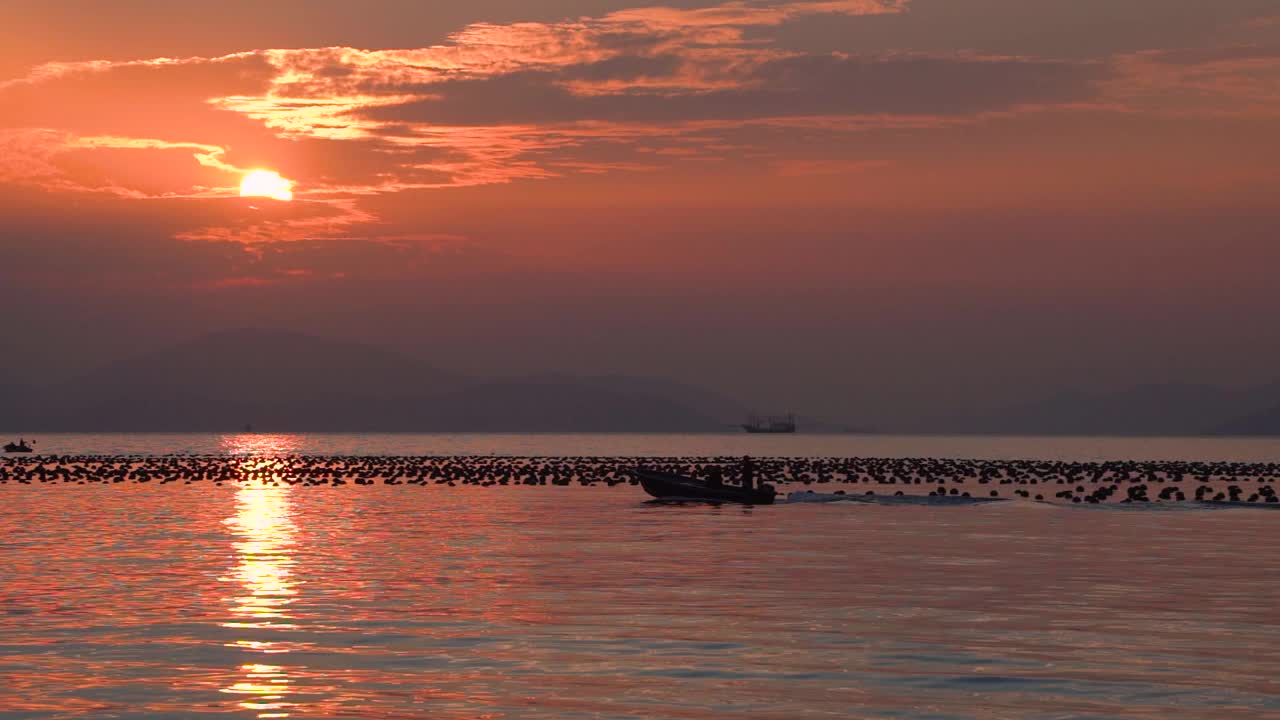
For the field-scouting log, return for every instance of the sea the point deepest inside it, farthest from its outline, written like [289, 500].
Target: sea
[977, 447]
[260, 600]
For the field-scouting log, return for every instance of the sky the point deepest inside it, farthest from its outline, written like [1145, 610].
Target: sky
[874, 211]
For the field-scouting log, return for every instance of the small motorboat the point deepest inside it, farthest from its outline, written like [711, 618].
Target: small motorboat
[19, 447]
[670, 486]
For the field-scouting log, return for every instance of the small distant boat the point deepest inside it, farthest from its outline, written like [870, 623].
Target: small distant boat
[670, 486]
[773, 424]
[19, 447]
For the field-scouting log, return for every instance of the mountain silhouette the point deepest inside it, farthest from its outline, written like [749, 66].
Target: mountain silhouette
[278, 380]
[1260, 422]
[545, 404]
[1149, 409]
[286, 381]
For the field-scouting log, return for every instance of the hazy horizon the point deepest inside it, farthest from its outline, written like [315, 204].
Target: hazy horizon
[286, 381]
[881, 212]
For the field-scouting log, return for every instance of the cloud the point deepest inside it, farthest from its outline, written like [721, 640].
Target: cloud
[1239, 81]
[639, 90]
[498, 103]
[97, 240]
[323, 92]
[57, 160]
[142, 97]
[253, 108]
[786, 87]
[743, 14]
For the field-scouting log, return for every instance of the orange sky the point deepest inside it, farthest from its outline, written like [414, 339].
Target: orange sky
[923, 157]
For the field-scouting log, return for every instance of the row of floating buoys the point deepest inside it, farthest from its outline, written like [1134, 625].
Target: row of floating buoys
[1075, 482]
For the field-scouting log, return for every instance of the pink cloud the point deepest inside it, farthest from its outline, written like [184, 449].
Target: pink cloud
[743, 14]
[334, 95]
[1241, 81]
[632, 91]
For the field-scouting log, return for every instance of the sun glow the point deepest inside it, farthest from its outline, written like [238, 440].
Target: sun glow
[266, 183]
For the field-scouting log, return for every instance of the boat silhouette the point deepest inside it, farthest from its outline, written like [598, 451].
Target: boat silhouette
[19, 447]
[771, 424]
[671, 486]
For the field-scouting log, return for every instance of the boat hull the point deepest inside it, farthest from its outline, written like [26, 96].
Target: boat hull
[670, 486]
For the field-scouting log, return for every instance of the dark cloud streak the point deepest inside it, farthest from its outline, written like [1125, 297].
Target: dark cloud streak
[791, 87]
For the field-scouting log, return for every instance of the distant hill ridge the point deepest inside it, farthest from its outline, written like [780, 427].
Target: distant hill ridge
[1262, 422]
[281, 380]
[290, 381]
[1149, 409]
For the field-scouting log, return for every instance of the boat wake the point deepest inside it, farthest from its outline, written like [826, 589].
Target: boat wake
[809, 496]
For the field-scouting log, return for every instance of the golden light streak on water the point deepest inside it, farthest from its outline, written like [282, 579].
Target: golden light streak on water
[264, 571]
[264, 568]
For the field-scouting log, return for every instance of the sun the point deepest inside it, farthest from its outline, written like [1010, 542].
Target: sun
[266, 183]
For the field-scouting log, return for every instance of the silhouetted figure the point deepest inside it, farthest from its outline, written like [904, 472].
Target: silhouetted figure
[715, 477]
[748, 472]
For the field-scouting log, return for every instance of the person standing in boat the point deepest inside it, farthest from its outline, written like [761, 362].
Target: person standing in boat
[748, 472]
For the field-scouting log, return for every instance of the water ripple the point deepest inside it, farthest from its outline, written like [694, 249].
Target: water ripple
[275, 601]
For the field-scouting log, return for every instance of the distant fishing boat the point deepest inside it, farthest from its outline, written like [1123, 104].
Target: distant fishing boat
[19, 447]
[771, 424]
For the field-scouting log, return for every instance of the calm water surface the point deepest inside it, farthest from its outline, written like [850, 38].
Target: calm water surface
[992, 447]
[135, 601]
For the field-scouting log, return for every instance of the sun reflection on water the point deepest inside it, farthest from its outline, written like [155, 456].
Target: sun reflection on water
[264, 524]
[264, 571]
